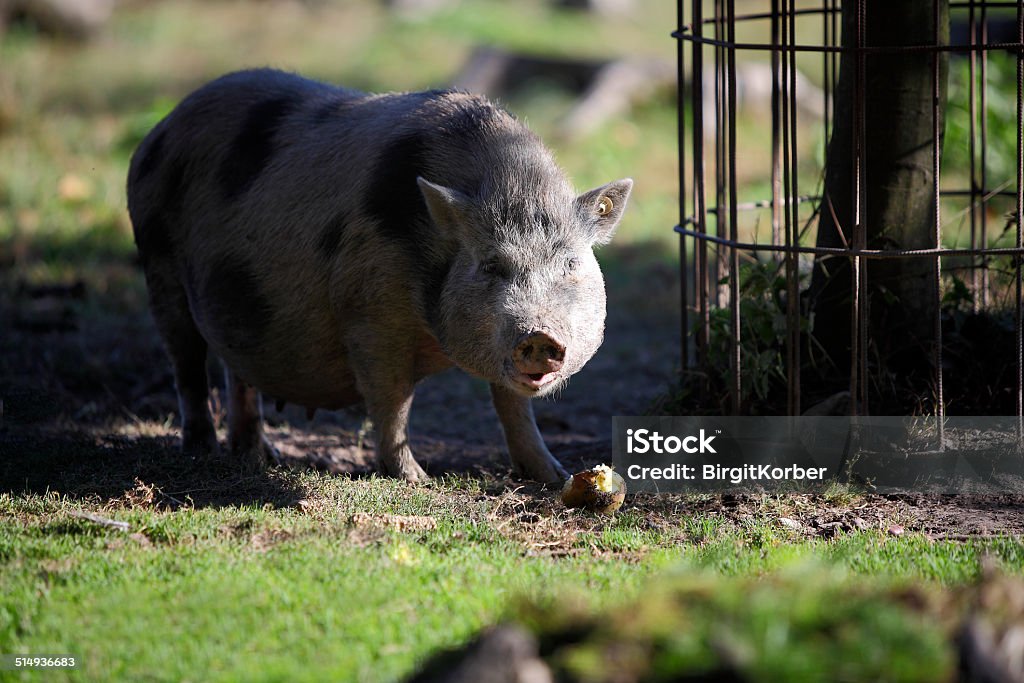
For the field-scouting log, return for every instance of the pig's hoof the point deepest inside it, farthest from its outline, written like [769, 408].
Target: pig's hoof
[256, 457]
[199, 441]
[407, 469]
[546, 470]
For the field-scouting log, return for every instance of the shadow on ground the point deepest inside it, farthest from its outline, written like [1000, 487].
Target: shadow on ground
[89, 407]
[132, 471]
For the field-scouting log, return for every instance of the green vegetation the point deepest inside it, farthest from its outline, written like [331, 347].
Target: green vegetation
[254, 594]
[309, 592]
[798, 625]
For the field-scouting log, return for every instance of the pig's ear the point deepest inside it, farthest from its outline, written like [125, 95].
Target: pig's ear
[448, 208]
[602, 208]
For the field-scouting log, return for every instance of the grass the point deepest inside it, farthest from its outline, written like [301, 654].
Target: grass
[288, 593]
[799, 625]
[306, 591]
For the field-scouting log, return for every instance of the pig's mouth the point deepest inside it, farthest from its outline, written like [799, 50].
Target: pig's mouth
[534, 382]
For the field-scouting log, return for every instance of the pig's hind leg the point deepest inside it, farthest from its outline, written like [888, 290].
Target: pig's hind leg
[246, 440]
[187, 350]
[530, 456]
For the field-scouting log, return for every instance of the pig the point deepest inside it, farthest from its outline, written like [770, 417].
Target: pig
[334, 247]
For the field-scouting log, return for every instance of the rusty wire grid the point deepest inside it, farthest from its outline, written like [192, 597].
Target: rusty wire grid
[718, 228]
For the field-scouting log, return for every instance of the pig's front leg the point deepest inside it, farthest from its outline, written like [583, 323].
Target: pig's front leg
[387, 390]
[390, 415]
[530, 457]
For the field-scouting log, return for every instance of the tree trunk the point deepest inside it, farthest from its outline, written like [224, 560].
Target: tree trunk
[897, 184]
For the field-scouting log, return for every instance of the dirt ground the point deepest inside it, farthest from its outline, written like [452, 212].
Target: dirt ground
[89, 410]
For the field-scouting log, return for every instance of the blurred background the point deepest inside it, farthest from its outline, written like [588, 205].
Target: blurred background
[73, 107]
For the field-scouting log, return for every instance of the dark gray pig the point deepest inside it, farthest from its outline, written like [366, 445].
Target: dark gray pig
[332, 246]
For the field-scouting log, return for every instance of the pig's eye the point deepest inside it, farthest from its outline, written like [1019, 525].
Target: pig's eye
[493, 268]
[571, 265]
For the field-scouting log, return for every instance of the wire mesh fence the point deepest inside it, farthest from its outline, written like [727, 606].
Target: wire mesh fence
[766, 192]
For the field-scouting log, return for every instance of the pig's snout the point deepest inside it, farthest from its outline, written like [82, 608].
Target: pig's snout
[537, 354]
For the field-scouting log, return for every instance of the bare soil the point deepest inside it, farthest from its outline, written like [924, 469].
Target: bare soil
[89, 410]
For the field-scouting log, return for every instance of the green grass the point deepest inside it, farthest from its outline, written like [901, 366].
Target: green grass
[313, 608]
[293, 589]
[800, 625]
[301, 593]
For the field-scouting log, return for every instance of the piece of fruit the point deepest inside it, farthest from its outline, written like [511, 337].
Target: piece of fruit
[599, 490]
